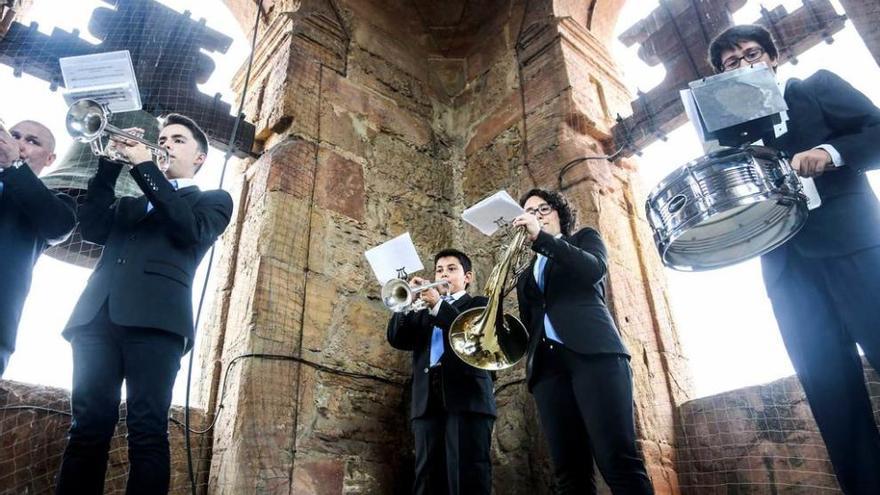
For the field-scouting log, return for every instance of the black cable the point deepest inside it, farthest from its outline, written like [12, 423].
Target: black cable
[273, 357]
[522, 95]
[508, 384]
[229, 151]
[285, 357]
[50, 410]
[568, 166]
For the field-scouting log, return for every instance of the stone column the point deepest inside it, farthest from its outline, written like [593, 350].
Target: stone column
[865, 16]
[313, 398]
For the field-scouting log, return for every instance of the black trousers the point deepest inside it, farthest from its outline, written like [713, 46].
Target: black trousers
[585, 406]
[105, 354]
[452, 449]
[824, 307]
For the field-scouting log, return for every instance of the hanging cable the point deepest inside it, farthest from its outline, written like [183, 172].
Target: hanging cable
[568, 166]
[229, 152]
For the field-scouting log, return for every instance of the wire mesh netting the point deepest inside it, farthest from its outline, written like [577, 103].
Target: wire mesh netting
[169, 53]
[33, 427]
[174, 58]
[301, 301]
[760, 439]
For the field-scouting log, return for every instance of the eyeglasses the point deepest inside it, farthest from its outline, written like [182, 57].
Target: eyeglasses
[544, 209]
[751, 56]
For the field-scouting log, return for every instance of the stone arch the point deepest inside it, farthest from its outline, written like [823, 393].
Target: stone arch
[602, 18]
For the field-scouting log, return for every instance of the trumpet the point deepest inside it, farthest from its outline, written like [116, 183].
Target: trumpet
[88, 121]
[399, 297]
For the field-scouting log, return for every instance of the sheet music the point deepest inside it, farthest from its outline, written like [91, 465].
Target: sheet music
[104, 77]
[493, 212]
[392, 257]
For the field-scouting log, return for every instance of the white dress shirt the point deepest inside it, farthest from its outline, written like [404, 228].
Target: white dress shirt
[455, 297]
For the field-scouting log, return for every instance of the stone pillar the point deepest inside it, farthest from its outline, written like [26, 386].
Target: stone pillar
[378, 118]
[342, 107]
[865, 16]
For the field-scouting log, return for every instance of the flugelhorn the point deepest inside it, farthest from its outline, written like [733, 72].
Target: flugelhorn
[399, 297]
[89, 122]
[486, 337]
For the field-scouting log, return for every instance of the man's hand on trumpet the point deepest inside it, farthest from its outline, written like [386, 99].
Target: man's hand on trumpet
[430, 296]
[131, 150]
[9, 149]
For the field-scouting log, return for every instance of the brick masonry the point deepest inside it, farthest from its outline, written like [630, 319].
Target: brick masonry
[760, 439]
[33, 432]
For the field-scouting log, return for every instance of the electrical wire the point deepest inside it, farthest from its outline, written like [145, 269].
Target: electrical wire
[568, 166]
[229, 152]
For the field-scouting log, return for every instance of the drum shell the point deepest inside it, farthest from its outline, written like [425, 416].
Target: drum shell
[725, 207]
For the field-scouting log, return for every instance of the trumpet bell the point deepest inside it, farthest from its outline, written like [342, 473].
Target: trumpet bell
[397, 295]
[488, 345]
[86, 120]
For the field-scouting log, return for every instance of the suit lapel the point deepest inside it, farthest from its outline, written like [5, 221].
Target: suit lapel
[462, 302]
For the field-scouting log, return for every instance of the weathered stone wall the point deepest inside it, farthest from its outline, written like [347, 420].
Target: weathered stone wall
[342, 101]
[33, 432]
[760, 439]
[378, 118]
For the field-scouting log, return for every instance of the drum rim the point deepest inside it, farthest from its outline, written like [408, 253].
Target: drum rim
[801, 210]
[764, 152]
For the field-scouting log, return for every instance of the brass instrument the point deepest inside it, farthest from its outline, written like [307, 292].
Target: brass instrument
[399, 297]
[89, 121]
[486, 337]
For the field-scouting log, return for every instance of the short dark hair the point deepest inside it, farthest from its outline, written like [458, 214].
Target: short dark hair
[465, 261]
[733, 36]
[197, 132]
[567, 215]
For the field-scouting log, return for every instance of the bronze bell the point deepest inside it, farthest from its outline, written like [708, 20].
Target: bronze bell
[72, 175]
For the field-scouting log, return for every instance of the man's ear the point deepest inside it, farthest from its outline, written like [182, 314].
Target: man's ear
[50, 160]
[200, 160]
[468, 277]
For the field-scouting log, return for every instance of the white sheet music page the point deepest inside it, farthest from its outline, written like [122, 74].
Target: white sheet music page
[493, 212]
[104, 77]
[393, 257]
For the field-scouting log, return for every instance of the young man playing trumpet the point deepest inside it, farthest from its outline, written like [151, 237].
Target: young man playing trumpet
[453, 406]
[134, 321]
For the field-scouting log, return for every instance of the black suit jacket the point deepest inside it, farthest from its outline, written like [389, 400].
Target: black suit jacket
[465, 388]
[573, 297]
[825, 109]
[32, 217]
[146, 271]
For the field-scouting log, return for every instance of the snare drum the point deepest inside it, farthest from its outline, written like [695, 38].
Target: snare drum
[725, 207]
